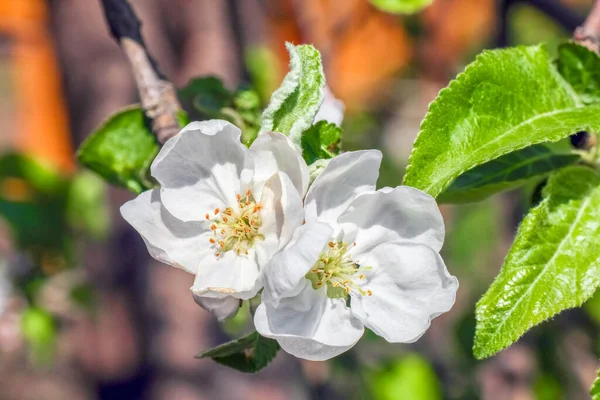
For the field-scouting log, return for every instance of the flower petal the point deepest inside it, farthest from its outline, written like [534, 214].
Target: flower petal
[273, 152]
[410, 286]
[288, 267]
[281, 214]
[229, 274]
[309, 325]
[202, 168]
[222, 308]
[345, 177]
[332, 109]
[168, 239]
[404, 213]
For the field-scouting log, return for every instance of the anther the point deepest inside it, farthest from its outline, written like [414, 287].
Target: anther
[207, 216]
[217, 211]
[211, 240]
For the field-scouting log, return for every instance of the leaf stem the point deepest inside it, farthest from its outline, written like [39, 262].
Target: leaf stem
[157, 94]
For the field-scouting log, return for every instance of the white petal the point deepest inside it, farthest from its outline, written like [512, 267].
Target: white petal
[273, 152]
[410, 286]
[288, 267]
[228, 274]
[345, 177]
[309, 325]
[222, 308]
[405, 214]
[281, 215]
[168, 239]
[332, 109]
[202, 168]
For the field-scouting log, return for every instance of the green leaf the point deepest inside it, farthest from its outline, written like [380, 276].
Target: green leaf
[321, 141]
[40, 330]
[293, 106]
[264, 67]
[595, 389]
[581, 68]
[207, 95]
[33, 202]
[411, 377]
[505, 173]
[250, 353]
[504, 101]
[401, 6]
[87, 205]
[121, 150]
[554, 263]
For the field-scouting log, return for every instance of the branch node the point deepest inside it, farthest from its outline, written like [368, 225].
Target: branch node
[157, 94]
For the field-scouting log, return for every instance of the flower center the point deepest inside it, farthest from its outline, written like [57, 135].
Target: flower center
[336, 271]
[236, 229]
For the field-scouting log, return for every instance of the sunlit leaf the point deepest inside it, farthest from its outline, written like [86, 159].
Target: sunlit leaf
[321, 141]
[411, 377]
[504, 101]
[504, 173]
[39, 329]
[293, 106]
[554, 263]
[121, 150]
[401, 6]
[581, 68]
[595, 389]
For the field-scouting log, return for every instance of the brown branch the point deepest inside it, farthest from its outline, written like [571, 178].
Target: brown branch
[157, 94]
[588, 34]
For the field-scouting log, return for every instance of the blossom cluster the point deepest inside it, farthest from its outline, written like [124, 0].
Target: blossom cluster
[328, 258]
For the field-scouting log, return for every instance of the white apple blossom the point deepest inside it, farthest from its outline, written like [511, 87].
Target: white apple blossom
[331, 110]
[222, 209]
[363, 258]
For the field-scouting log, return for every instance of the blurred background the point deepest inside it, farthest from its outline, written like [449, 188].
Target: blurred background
[85, 313]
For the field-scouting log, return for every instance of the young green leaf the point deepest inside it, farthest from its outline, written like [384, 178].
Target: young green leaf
[121, 150]
[250, 353]
[293, 106]
[505, 173]
[39, 328]
[595, 389]
[401, 6]
[581, 68]
[207, 95]
[504, 101]
[321, 141]
[554, 263]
